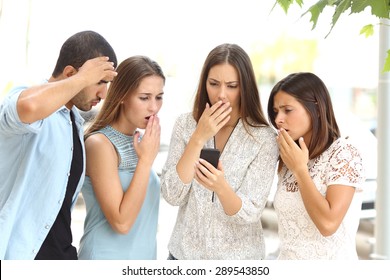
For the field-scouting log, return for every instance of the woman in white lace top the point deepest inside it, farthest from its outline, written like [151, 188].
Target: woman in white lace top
[220, 208]
[318, 198]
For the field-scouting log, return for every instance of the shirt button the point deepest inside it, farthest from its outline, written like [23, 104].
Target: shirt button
[71, 149]
[47, 227]
[59, 201]
[68, 174]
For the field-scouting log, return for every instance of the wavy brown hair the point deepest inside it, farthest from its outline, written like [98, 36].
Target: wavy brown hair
[250, 107]
[130, 74]
[311, 92]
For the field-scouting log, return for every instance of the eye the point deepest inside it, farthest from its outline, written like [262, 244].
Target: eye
[233, 86]
[144, 98]
[159, 97]
[211, 83]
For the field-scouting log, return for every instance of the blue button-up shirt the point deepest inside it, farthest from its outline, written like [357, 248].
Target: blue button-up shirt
[35, 161]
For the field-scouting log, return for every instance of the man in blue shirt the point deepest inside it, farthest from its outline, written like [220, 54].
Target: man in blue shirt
[42, 164]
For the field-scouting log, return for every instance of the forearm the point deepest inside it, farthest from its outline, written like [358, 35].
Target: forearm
[39, 102]
[230, 201]
[133, 199]
[185, 166]
[315, 203]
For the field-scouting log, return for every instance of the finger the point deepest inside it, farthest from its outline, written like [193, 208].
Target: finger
[281, 140]
[149, 125]
[136, 139]
[220, 166]
[287, 138]
[302, 144]
[199, 175]
[216, 106]
[281, 145]
[223, 116]
[205, 164]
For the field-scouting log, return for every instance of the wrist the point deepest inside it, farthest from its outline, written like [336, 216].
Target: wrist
[196, 141]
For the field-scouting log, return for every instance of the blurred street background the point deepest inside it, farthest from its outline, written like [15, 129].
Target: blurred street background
[180, 34]
[167, 218]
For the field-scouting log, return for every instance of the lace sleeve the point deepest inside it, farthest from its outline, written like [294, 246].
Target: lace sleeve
[345, 166]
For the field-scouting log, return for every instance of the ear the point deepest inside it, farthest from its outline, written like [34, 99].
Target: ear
[69, 71]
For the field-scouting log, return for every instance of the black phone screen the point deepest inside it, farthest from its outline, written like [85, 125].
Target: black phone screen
[211, 155]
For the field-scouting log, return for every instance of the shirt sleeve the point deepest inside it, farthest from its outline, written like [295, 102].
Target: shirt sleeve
[173, 189]
[257, 183]
[10, 123]
[346, 167]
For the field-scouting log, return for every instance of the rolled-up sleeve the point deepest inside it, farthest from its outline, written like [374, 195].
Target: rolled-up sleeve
[174, 191]
[10, 123]
[257, 183]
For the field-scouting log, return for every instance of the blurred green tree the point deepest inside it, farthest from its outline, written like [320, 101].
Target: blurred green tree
[379, 9]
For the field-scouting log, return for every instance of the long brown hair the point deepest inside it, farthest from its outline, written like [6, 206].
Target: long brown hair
[250, 107]
[311, 92]
[130, 73]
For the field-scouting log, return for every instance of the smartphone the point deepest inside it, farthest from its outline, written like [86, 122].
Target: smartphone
[211, 155]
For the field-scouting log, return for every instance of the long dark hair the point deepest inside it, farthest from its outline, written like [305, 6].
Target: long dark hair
[311, 92]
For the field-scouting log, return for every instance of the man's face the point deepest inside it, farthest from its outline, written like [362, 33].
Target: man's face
[89, 96]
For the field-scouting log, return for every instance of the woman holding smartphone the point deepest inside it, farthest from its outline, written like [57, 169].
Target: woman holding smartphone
[220, 208]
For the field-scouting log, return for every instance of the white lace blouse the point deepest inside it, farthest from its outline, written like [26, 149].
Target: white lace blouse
[340, 164]
[202, 229]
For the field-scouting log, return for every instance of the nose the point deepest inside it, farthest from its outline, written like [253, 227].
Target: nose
[153, 106]
[279, 119]
[222, 93]
[102, 92]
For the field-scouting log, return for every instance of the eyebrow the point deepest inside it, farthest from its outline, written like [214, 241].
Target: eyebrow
[282, 106]
[149, 93]
[230, 82]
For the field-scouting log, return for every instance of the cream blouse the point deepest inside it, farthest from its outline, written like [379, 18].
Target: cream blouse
[202, 229]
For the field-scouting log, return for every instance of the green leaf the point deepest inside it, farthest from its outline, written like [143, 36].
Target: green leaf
[315, 11]
[341, 7]
[359, 6]
[379, 8]
[285, 4]
[367, 30]
[386, 66]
